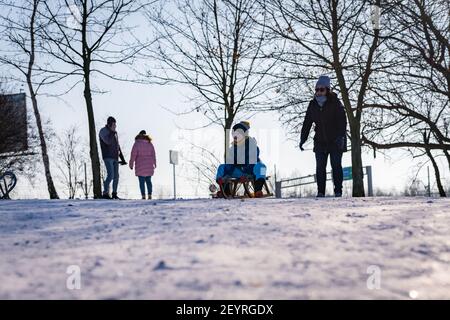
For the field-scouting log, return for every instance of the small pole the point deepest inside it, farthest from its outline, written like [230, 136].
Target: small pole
[277, 189]
[173, 157]
[85, 182]
[174, 183]
[369, 181]
[275, 172]
[429, 186]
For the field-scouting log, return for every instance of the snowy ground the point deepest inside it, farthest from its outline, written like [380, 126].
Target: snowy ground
[219, 249]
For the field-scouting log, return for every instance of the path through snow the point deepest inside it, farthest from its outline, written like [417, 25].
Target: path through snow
[222, 249]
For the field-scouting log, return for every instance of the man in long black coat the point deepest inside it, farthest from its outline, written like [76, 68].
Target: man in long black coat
[328, 115]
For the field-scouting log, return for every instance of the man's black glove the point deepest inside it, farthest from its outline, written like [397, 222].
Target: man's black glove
[301, 145]
[122, 161]
[340, 143]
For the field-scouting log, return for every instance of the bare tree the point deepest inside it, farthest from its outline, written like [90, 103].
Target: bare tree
[332, 36]
[216, 49]
[87, 38]
[70, 157]
[411, 105]
[21, 26]
[200, 165]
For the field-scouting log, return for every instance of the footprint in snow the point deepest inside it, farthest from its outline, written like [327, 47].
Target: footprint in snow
[162, 266]
[356, 215]
[238, 283]
[303, 215]
[423, 249]
[382, 226]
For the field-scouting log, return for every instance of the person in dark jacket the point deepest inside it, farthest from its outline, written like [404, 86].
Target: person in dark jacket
[109, 144]
[242, 160]
[328, 115]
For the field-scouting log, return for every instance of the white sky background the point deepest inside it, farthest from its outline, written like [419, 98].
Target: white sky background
[138, 107]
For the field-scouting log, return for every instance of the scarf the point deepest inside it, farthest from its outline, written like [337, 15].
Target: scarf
[321, 100]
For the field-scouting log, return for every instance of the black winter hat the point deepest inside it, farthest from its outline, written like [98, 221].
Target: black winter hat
[142, 132]
[243, 125]
[110, 120]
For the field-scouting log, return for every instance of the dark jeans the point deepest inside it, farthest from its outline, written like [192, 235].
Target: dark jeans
[112, 174]
[142, 182]
[321, 170]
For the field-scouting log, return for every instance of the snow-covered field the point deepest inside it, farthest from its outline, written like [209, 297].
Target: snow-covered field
[226, 249]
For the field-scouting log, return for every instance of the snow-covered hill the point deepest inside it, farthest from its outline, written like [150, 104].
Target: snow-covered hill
[222, 249]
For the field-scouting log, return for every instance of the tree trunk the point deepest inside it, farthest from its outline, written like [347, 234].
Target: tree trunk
[93, 148]
[227, 128]
[354, 121]
[93, 151]
[437, 174]
[48, 176]
[357, 165]
[71, 196]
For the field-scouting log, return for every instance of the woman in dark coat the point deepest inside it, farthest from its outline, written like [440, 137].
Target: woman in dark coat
[328, 115]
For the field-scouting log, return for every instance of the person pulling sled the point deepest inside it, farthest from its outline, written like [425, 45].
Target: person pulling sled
[327, 113]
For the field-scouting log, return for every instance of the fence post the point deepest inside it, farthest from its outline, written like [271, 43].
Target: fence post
[277, 189]
[86, 195]
[369, 181]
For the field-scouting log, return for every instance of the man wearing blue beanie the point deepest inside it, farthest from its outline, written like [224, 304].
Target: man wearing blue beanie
[330, 139]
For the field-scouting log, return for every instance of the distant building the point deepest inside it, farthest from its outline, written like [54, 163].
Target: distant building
[13, 123]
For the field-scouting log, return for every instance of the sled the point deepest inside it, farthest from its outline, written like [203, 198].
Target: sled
[8, 181]
[240, 188]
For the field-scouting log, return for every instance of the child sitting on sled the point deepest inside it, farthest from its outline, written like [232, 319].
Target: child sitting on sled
[242, 161]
